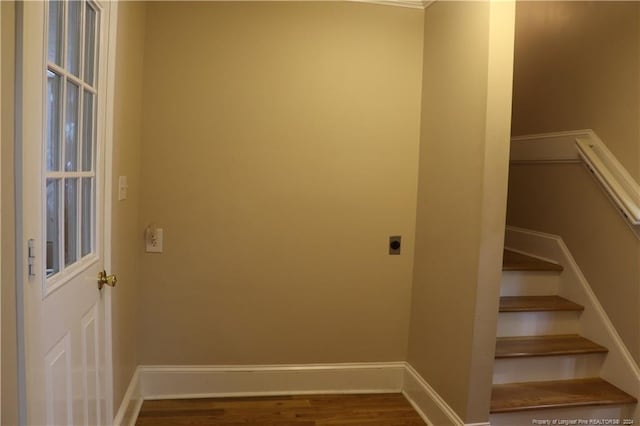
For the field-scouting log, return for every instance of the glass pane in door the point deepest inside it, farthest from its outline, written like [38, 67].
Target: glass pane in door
[74, 36]
[89, 44]
[71, 99]
[54, 98]
[86, 229]
[56, 23]
[53, 226]
[71, 128]
[70, 221]
[87, 132]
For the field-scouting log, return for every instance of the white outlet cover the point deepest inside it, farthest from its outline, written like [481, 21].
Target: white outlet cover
[154, 241]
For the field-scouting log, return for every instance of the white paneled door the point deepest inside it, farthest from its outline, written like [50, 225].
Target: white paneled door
[62, 107]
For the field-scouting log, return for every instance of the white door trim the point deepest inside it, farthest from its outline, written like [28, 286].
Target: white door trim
[108, 190]
[19, 226]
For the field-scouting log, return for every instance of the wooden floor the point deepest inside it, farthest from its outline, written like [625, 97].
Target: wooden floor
[530, 346]
[370, 410]
[537, 303]
[511, 397]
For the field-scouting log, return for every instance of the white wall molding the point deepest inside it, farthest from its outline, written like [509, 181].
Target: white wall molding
[619, 366]
[584, 146]
[413, 4]
[557, 147]
[131, 403]
[208, 381]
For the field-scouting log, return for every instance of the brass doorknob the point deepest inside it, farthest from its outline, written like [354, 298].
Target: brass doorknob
[104, 279]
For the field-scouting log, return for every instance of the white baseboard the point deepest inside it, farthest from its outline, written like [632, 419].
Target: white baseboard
[433, 409]
[223, 381]
[179, 382]
[131, 403]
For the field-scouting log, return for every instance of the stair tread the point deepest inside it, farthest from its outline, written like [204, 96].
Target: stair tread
[513, 397]
[513, 261]
[537, 303]
[531, 346]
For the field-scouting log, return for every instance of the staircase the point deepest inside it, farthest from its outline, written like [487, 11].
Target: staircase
[543, 368]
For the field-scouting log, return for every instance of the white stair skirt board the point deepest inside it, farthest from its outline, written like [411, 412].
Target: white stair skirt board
[131, 403]
[537, 323]
[584, 414]
[179, 382]
[529, 283]
[541, 368]
[619, 367]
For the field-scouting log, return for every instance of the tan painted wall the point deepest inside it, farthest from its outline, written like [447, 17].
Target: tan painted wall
[280, 153]
[468, 66]
[9, 407]
[126, 234]
[577, 67]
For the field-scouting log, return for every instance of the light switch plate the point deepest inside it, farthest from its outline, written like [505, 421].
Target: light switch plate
[123, 187]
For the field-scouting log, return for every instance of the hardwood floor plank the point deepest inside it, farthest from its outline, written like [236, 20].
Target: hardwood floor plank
[528, 346]
[537, 303]
[512, 397]
[300, 410]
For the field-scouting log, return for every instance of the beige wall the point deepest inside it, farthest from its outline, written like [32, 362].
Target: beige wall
[280, 152]
[578, 66]
[462, 189]
[126, 234]
[9, 407]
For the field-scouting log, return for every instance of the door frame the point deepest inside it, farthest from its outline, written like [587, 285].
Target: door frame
[112, 33]
[110, 49]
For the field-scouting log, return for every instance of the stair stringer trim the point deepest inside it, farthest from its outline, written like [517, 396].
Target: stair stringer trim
[619, 367]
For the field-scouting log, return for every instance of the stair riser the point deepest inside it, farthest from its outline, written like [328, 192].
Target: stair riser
[533, 283]
[537, 323]
[531, 369]
[526, 418]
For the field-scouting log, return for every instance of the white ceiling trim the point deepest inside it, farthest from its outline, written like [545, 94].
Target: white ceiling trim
[414, 4]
